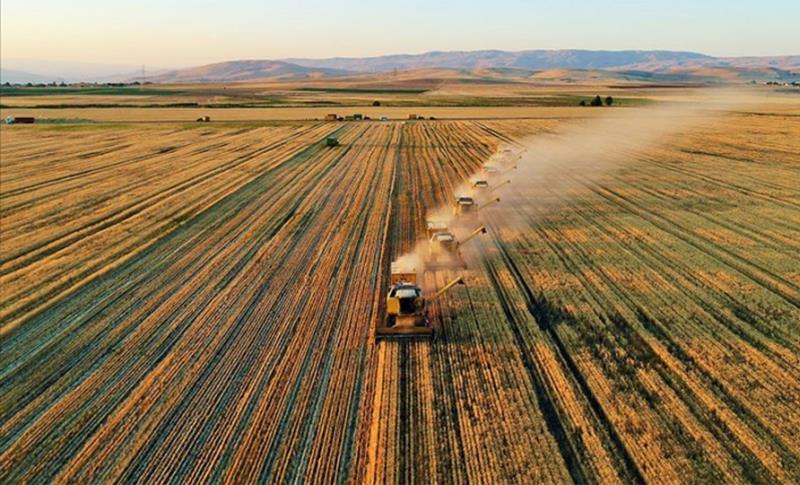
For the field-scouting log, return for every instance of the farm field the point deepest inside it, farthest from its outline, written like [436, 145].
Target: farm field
[189, 115]
[197, 302]
[270, 101]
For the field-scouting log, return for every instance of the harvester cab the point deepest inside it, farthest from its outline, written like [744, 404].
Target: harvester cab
[434, 226]
[445, 240]
[490, 170]
[464, 205]
[406, 314]
[445, 251]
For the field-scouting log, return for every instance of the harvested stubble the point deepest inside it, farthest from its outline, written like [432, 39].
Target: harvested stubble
[198, 305]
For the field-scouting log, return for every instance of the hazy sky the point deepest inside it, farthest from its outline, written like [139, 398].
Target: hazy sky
[180, 33]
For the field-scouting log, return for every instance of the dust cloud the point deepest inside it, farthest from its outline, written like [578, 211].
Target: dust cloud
[542, 173]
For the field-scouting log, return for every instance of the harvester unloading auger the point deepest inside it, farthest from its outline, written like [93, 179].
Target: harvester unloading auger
[406, 311]
[497, 187]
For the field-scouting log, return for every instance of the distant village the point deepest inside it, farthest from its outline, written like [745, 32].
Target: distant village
[780, 83]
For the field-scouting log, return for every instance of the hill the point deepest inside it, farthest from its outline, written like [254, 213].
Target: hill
[528, 59]
[14, 76]
[561, 65]
[245, 71]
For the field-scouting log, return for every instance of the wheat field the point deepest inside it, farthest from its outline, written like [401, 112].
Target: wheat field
[197, 303]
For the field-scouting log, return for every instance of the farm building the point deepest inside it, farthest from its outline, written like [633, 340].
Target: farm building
[20, 120]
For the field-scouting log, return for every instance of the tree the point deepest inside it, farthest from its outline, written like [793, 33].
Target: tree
[583, 102]
[376, 103]
[609, 100]
[597, 101]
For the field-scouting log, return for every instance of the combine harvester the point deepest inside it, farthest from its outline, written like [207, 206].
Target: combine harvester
[406, 312]
[490, 171]
[466, 207]
[482, 186]
[444, 252]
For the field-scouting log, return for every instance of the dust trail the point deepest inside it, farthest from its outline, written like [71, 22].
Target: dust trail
[553, 169]
[542, 173]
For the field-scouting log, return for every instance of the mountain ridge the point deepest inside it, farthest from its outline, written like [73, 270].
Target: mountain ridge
[670, 65]
[657, 64]
[529, 59]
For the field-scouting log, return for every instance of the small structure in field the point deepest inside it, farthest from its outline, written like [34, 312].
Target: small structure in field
[204, 119]
[332, 141]
[412, 116]
[331, 117]
[20, 120]
[358, 117]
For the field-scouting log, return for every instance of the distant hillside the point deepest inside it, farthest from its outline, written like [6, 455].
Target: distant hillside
[574, 65]
[722, 68]
[530, 59]
[21, 77]
[244, 71]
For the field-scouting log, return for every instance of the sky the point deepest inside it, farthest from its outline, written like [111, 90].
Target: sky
[181, 33]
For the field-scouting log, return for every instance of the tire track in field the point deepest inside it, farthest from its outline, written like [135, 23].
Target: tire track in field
[767, 279]
[748, 461]
[538, 310]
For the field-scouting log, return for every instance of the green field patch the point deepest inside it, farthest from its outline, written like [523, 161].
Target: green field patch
[364, 90]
